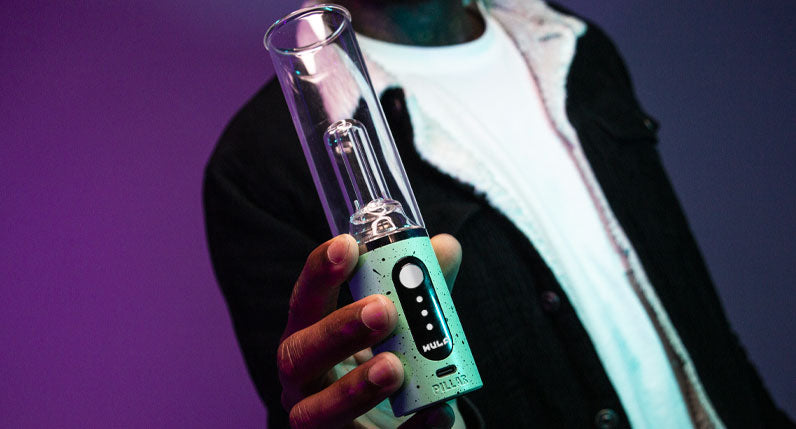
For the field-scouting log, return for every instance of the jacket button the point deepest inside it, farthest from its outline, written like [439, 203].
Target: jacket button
[551, 302]
[606, 419]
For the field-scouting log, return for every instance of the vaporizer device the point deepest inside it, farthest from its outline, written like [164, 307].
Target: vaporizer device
[365, 192]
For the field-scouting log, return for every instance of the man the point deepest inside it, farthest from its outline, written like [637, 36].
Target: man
[583, 295]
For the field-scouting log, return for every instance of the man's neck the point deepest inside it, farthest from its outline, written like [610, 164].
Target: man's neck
[416, 22]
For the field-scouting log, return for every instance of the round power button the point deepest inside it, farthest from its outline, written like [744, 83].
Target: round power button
[410, 276]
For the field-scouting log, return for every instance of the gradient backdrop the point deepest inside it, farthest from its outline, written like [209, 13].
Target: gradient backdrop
[109, 313]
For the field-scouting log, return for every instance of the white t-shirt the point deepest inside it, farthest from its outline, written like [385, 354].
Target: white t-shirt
[483, 94]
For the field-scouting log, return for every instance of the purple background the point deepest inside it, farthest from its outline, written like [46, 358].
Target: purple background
[109, 313]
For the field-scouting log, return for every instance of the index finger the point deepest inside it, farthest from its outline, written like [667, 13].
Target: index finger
[315, 292]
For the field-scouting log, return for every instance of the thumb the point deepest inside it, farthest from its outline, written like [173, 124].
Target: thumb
[449, 254]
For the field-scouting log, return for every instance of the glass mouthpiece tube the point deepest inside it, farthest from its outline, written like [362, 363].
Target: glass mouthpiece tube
[355, 165]
[374, 213]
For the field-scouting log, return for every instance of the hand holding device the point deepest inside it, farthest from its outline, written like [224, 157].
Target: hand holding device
[312, 393]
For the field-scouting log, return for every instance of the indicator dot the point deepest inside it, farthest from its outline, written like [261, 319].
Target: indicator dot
[424, 313]
[419, 298]
[429, 326]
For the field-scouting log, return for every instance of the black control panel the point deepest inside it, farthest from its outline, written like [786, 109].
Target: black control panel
[423, 313]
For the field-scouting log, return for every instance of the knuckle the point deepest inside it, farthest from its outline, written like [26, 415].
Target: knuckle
[286, 359]
[299, 417]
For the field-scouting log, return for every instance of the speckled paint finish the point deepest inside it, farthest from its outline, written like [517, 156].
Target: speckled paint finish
[421, 387]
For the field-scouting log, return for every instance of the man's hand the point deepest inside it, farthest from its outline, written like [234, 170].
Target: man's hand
[318, 336]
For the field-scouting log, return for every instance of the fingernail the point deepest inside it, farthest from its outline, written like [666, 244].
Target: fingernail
[338, 250]
[375, 317]
[382, 373]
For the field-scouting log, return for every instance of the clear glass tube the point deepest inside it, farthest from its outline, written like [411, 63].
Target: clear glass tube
[354, 162]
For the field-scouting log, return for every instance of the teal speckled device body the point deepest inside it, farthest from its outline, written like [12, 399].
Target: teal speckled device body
[376, 274]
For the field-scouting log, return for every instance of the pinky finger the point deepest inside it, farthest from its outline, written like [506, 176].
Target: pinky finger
[351, 396]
